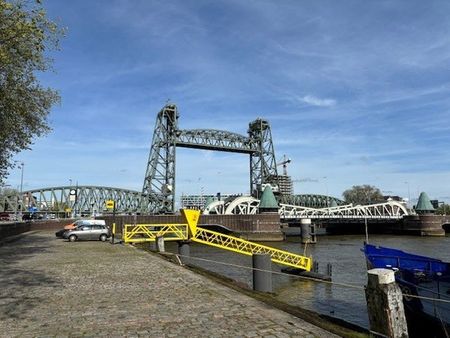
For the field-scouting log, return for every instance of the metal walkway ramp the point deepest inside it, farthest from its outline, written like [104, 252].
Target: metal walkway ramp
[175, 232]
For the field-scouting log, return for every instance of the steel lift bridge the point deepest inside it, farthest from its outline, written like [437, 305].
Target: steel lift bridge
[159, 185]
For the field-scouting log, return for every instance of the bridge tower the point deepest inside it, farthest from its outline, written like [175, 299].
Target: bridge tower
[159, 183]
[263, 167]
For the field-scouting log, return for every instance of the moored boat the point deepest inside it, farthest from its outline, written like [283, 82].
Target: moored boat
[425, 277]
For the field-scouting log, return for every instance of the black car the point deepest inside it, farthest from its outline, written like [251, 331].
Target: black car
[30, 217]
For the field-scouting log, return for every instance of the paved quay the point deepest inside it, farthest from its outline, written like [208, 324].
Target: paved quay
[53, 288]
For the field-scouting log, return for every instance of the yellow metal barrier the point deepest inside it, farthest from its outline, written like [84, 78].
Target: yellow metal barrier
[148, 232]
[242, 246]
[175, 232]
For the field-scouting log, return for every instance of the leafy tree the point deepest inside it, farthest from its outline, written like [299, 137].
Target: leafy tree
[363, 194]
[8, 198]
[58, 206]
[444, 209]
[26, 35]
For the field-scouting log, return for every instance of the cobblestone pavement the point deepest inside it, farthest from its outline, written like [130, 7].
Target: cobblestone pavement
[50, 287]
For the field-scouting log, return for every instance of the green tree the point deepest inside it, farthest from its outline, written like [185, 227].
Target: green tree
[363, 194]
[26, 37]
[444, 209]
[8, 198]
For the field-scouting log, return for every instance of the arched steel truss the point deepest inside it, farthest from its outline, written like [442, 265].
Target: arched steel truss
[84, 200]
[249, 206]
[387, 210]
[159, 183]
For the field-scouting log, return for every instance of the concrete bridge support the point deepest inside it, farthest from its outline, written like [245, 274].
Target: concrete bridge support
[308, 231]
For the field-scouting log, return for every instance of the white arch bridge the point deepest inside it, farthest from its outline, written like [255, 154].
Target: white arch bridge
[247, 205]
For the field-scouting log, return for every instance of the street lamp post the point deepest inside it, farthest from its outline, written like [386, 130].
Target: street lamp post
[409, 195]
[21, 167]
[326, 189]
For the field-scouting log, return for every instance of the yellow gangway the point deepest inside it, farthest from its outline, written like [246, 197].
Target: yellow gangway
[149, 232]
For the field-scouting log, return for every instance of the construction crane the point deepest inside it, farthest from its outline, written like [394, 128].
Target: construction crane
[284, 163]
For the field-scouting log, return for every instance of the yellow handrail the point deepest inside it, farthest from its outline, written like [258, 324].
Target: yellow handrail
[245, 247]
[175, 232]
[148, 232]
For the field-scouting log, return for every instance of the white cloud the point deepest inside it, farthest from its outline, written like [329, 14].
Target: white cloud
[315, 101]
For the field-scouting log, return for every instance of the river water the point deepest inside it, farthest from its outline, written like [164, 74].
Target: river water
[347, 301]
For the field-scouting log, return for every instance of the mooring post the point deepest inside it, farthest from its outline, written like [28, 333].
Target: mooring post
[184, 251]
[262, 272]
[160, 244]
[315, 267]
[305, 224]
[312, 233]
[385, 304]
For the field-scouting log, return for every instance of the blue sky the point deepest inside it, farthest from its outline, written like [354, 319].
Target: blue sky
[357, 92]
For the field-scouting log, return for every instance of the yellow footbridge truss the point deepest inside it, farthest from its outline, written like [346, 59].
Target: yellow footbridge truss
[139, 233]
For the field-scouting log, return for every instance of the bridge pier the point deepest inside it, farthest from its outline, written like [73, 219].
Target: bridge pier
[308, 231]
[425, 225]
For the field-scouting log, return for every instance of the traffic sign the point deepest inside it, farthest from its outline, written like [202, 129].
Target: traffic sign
[109, 204]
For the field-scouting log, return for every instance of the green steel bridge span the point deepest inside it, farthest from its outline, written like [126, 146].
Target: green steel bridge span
[86, 200]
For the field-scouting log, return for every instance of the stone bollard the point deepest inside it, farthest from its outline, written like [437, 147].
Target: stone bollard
[184, 251]
[262, 280]
[159, 242]
[305, 224]
[385, 304]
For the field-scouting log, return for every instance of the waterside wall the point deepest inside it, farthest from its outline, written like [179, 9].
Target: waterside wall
[264, 227]
[425, 225]
[418, 225]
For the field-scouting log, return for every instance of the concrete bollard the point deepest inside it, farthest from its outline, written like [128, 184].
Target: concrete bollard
[184, 251]
[262, 280]
[385, 304]
[160, 244]
[305, 225]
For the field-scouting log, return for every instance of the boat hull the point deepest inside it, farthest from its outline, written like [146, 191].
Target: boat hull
[418, 276]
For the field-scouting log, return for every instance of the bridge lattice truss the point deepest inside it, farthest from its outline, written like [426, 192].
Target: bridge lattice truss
[86, 200]
[159, 184]
[249, 205]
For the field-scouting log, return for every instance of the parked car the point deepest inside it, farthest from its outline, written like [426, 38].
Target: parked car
[88, 232]
[80, 222]
[31, 216]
